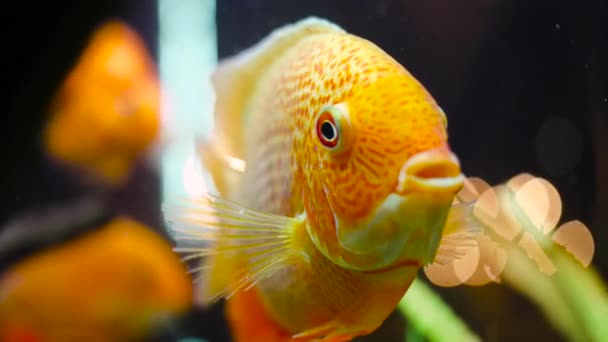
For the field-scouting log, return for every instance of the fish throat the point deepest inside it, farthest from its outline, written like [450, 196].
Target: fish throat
[401, 231]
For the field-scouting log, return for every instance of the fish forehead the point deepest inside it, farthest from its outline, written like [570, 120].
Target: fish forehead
[326, 69]
[321, 69]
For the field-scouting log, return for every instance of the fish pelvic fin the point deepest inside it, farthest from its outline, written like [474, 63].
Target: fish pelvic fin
[459, 234]
[235, 78]
[236, 246]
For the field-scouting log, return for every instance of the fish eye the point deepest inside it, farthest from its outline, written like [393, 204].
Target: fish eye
[328, 133]
[333, 128]
[327, 129]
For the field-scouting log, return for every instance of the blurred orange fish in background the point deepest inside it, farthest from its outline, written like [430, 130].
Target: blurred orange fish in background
[343, 188]
[107, 112]
[112, 281]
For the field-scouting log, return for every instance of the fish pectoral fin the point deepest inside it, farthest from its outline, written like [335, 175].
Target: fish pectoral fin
[239, 246]
[226, 170]
[460, 233]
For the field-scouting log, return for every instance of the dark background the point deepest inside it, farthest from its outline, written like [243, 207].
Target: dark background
[523, 84]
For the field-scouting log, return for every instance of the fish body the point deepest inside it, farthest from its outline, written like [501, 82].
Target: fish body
[106, 114]
[117, 282]
[344, 195]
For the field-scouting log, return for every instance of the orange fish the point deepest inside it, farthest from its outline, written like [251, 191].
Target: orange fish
[115, 283]
[107, 111]
[336, 185]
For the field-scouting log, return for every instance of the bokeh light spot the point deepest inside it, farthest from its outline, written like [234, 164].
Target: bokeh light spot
[541, 203]
[493, 259]
[489, 211]
[465, 267]
[472, 189]
[536, 253]
[442, 275]
[577, 240]
[518, 181]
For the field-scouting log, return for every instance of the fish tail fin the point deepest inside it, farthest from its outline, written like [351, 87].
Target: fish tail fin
[236, 77]
[250, 322]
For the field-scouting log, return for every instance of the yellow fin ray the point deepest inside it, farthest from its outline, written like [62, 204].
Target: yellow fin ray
[238, 246]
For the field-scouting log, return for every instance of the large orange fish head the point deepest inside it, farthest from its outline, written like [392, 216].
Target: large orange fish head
[387, 173]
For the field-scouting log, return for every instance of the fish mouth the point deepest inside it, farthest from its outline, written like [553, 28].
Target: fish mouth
[434, 171]
[406, 227]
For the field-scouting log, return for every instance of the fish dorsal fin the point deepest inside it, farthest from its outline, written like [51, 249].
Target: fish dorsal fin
[235, 78]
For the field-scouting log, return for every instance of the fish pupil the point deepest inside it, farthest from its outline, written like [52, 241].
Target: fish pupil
[328, 131]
